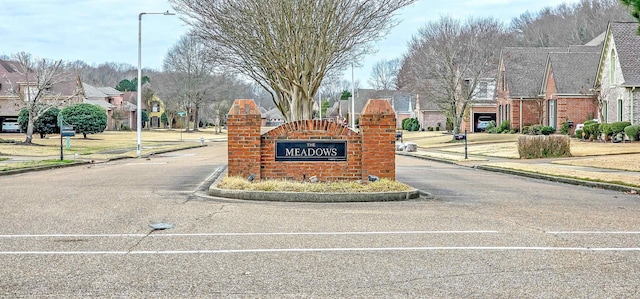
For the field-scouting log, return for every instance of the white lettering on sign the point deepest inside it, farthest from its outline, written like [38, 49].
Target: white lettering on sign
[311, 152]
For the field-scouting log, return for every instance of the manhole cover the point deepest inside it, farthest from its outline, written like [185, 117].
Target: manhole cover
[161, 225]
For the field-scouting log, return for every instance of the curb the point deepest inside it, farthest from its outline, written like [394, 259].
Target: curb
[310, 197]
[41, 168]
[402, 153]
[565, 180]
[76, 163]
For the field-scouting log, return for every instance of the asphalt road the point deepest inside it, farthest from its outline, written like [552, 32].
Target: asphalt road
[84, 232]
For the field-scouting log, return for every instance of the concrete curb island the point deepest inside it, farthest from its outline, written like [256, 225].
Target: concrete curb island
[310, 197]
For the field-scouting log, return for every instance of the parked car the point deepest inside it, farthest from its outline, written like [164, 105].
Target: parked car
[10, 126]
[483, 123]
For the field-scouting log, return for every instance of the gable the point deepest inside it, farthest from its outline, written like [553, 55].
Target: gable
[573, 72]
[627, 43]
[524, 70]
[623, 39]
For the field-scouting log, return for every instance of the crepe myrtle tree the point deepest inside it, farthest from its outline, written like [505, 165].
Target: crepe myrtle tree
[85, 118]
[289, 46]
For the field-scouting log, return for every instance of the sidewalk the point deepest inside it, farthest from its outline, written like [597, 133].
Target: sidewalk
[552, 169]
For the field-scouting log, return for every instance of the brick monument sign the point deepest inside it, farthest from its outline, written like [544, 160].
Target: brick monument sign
[301, 149]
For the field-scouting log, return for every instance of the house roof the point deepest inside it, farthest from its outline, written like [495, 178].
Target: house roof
[100, 103]
[129, 106]
[524, 69]
[627, 41]
[273, 113]
[10, 71]
[93, 92]
[399, 100]
[110, 91]
[598, 40]
[573, 72]
[584, 49]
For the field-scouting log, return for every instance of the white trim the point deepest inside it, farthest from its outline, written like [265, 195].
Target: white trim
[319, 250]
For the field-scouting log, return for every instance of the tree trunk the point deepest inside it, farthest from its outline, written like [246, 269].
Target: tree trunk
[195, 118]
[29, 132]
[300, 107]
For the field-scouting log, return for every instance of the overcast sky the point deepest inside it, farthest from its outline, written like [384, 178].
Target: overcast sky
[98, 31]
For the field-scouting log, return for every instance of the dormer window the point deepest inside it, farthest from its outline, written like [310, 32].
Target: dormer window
[483, 89]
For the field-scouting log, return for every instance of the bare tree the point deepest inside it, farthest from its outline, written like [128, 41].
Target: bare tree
[189, 63]
[105, 74]
[451, 57]
[384, 75]
[219, 111]
[567, 24]
[289, 46]
[41, 88]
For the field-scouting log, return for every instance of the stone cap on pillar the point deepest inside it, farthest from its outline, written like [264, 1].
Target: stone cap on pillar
[378, 106]
[244, 107]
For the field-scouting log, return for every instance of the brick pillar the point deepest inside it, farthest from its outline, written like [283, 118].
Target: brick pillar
[377, 127]
[243, 124]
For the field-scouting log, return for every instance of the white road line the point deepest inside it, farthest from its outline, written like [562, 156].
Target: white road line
[311, 250]
[594, 233]
[244, 234]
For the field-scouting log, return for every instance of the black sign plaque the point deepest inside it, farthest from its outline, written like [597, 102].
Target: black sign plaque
[311, 150]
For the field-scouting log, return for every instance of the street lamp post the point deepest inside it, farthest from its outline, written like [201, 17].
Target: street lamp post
[353, 100]
[139, 90]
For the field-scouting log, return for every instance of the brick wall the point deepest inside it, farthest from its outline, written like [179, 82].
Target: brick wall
[377, 128]
[577, 110]
[311, 130]
[243, 123]
[370, 152]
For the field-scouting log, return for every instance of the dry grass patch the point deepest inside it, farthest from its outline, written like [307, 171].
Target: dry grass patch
[31, 164]
[104, 142]
[629, 162]
[569, 172]
[383, 185]
[440, 139]
[585, 148]
[502, 150]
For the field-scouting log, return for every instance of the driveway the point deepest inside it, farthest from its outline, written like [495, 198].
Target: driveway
[84, 231]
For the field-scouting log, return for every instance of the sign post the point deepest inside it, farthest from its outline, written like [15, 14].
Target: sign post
[66, 130]
[181, 114]
[465, 145]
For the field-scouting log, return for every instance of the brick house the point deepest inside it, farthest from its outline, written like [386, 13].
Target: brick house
[567, 88]
[403, 104]
[483, 103]
[120, 113]
[429, 114]
[618, 73]
[58, 95]
[520, 75]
